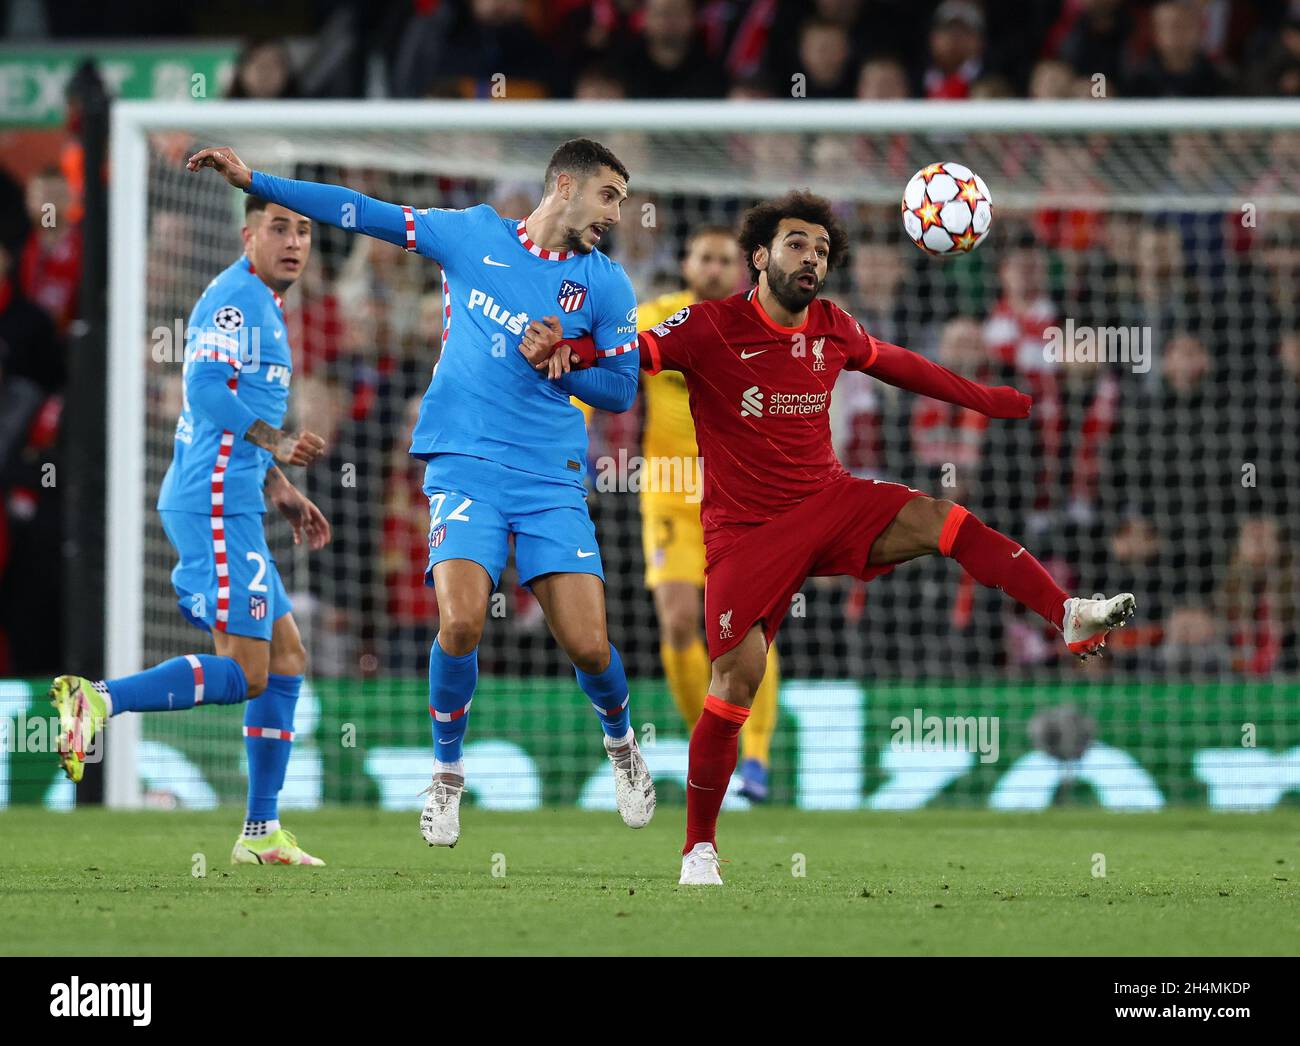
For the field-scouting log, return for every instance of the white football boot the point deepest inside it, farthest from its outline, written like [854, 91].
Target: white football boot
[700, 866]
[440, 818]
[1088, 622]
[634, 788]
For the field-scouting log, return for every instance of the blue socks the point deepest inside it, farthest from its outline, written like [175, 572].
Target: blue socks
[451, 688]
[609, 696]
[182, 682]
[268, 740]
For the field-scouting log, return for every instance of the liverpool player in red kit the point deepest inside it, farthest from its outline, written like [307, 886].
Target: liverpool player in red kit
[778, 506]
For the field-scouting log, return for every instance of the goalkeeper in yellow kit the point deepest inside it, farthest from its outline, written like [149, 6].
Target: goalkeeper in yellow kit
[672, 536]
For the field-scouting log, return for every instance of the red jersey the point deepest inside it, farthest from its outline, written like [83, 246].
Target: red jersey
[761, 395]
[760, 399]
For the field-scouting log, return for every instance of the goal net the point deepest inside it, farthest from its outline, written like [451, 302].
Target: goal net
[1139, 282]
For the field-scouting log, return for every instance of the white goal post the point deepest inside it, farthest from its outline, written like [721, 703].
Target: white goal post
[271, 134]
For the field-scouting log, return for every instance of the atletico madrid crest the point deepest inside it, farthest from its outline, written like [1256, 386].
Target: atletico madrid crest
[437, 534]
[257, 607]
[571, 296]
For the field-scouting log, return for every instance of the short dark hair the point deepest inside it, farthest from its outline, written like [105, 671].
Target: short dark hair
[699, 232]
[581, 156]
[253, 204]
[759, 225]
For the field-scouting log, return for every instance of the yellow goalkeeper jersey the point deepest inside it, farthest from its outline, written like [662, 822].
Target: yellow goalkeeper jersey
[669, 430]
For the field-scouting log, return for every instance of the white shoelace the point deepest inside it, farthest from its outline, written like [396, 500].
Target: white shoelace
[442, 792]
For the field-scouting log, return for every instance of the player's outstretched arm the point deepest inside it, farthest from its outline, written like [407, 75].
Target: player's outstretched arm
[306, 519]
[913, 372]
[331, 204]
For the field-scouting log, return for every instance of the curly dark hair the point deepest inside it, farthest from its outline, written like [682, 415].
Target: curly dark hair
[758, 227]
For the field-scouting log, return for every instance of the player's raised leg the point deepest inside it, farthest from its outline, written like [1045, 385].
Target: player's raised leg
[926, 525]
[574, 605]
[736, 677]
[463, 587]
[268, 742]
[85, 705]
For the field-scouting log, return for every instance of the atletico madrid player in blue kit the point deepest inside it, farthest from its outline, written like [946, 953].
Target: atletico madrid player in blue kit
[504, 447]
[237, 369]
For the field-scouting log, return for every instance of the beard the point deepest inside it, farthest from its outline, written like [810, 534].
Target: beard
[573, 241]
[788, 292]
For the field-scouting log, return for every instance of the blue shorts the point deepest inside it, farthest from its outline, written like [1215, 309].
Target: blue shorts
[229, 585]
[476, 504]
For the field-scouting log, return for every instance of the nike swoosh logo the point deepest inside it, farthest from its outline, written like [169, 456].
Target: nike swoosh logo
[445, 741]
[487, 260]
[1016, 555]
[584, 555]
[746, 355]
[692, 783]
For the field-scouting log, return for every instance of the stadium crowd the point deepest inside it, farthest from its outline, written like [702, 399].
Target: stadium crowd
[1177, 482]
[603, 49]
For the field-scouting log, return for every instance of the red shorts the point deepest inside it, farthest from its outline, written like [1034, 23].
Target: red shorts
[763, 566]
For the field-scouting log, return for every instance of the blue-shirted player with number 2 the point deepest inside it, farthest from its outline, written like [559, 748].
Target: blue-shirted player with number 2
[236, 374]
[506, 451]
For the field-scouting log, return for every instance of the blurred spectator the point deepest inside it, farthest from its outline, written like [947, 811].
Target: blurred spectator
[412, 608]
[598, 82]
[956, 50]
[1133, 561]
[1077, 406]
[315, 320]
[1275, 435]
[347, 490]
[947, 440]
[669, 59]
[264, 70]
[1258, 599]
[992, 85]
[1053, 79]
[868, 430]
[824, 53]
[882, 78]
[1176, 66]
[750, 89]
[1167, 460]
[1092, 37]
[1151, 287]
[31, 376]
[1278, 73]
[1069, 162]
[50, 269]
[492, 51]
[1014, 330]
[879, 298]
[1193, 643]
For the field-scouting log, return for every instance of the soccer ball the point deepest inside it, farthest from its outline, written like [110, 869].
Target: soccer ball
[947, 209]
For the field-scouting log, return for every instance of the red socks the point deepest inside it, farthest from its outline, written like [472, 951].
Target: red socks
[995, 560]
[714, 747]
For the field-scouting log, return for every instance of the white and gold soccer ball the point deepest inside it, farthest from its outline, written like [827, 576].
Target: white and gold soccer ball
[947, 209]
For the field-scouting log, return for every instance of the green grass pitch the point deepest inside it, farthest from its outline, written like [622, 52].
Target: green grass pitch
[924, 883]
